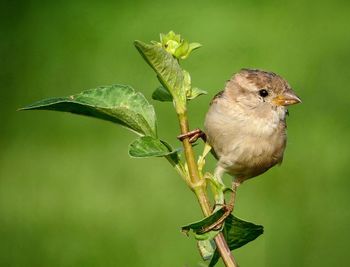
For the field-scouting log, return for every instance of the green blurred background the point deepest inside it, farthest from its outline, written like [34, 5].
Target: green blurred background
[71, 196]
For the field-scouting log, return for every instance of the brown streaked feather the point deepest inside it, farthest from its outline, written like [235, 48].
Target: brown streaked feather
[265, 79]
[218, 95]
[247, 132]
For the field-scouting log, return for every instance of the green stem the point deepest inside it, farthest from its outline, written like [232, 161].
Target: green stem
[198, 185]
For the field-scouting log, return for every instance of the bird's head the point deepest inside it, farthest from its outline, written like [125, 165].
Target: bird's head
[261, 90]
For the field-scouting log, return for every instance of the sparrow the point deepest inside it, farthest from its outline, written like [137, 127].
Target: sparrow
[246, 123]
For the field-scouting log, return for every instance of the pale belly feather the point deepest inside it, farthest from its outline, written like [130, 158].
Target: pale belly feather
[245, 149]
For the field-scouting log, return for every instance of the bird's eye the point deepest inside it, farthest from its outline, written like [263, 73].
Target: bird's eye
[263, 93]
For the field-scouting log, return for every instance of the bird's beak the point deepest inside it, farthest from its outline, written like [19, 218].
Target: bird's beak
[286, 99]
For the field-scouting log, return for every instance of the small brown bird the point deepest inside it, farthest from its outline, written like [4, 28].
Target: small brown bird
[246, 123]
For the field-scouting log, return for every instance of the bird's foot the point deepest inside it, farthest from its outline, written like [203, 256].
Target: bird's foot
[228, 209]
[193, 136]
[218, 224]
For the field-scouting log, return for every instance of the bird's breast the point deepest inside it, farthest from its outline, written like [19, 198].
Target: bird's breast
[245, 145]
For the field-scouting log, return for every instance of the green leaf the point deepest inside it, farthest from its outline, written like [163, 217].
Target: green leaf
[191, 47]
[170, 41]
[194, 46]
[217, 188]
[198, 227]
[117, 103]
[187, 82]
[182, 50]
[162, 94]
[237, 233]
[196, 92]
[175, 45]
[147, 146]
[206, 248]
[168, 71]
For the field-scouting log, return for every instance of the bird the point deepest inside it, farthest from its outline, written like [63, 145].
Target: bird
[246, 124]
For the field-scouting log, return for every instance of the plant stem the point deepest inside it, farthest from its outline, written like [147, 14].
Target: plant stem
[199, 187]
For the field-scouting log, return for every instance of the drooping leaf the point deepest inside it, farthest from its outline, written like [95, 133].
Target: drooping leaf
[237, 233]
[117, 103]
[147, 146]
[162, 94]
[198, 227]
[168, 71]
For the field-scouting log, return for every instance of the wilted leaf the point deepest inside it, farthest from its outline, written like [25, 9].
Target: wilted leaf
[147, 146]
[237, 233]
[117, 103]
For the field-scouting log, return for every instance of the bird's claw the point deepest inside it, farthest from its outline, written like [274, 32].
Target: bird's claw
[193, 136]
[218, 224]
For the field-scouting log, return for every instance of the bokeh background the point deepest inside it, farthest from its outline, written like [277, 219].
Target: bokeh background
[71, 196]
